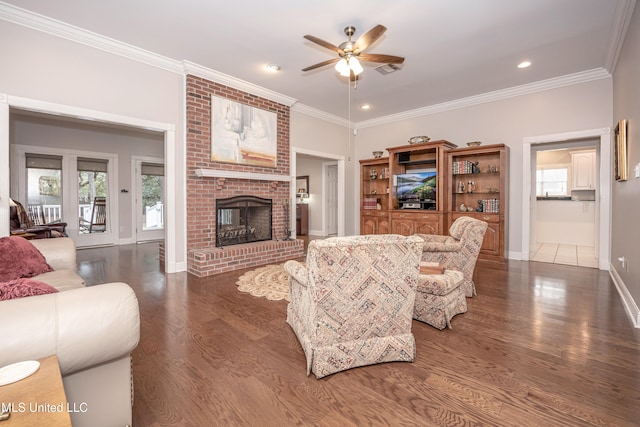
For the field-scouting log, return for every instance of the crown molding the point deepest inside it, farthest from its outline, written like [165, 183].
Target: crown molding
[66, 31]
[542, 85]
[319, 114]
[57, 28]
[621, 21]
[189, 67]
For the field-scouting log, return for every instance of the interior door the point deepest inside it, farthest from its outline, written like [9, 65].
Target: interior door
[332, 199]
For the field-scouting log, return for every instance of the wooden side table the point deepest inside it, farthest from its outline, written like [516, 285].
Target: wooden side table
[302, 219]
[26, 235]
[38, 400]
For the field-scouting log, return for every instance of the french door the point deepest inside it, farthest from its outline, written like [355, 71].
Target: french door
[78, 188]
[96, 201]
[149, 198]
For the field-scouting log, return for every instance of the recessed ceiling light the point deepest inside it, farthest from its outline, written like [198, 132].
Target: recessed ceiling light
[273, 67]
[524, 64]
[365, 107]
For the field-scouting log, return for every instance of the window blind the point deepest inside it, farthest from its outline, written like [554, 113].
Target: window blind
[92, 165]
[154, 169]
[43, 161]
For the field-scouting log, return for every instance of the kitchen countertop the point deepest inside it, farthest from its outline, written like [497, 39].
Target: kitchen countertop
[553, 198]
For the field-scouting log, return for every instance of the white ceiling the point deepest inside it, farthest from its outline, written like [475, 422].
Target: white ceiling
[454, 49]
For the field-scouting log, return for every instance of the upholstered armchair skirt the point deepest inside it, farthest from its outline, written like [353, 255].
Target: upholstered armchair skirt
[458, 251]
[439, 298]
[352, 303]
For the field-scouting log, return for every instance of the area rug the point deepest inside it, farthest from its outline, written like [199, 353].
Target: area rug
[270, 282]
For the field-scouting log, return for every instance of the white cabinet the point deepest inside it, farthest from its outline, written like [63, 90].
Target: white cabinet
[583, 166]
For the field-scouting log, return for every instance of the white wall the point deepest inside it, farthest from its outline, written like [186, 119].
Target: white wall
[38, 66]
[625, 233]
[566, 109]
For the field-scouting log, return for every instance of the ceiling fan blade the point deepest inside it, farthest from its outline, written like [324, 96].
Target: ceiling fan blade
[323, 43]
[369, 37]
[321, 64]
[386, 59]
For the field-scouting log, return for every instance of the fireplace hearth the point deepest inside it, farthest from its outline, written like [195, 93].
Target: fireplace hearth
[243, 219]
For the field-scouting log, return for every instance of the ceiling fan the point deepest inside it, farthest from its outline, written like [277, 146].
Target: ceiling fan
[350, 53]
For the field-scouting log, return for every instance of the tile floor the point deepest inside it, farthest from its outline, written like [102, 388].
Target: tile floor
[582, 256]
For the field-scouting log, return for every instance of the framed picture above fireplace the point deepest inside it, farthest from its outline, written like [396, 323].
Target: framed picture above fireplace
[243, 134]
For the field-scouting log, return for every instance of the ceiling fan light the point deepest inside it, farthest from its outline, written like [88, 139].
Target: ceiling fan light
[342, 67]
[355, 66]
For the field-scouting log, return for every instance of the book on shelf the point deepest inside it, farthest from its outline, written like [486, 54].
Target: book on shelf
[462, 167]
[490, 205]
[370, 203]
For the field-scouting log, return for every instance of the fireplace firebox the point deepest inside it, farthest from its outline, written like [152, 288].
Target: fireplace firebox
[243, 219]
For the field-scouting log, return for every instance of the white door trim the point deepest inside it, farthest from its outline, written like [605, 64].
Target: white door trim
[604, 187]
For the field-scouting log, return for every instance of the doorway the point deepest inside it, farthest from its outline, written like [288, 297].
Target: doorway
[601, 139]
[326, 190]
[175, 248]
[566, 203]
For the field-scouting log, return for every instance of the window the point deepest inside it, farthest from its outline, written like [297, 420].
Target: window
[44, 186]
[552, 181]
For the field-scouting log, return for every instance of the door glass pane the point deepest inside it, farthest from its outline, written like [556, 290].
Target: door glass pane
[44, 188]
[152, 196]
[92, 195]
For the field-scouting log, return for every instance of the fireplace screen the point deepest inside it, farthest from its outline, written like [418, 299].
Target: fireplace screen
[242, 219]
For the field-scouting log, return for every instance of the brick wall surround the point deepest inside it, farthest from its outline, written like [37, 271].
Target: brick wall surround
[203, 258]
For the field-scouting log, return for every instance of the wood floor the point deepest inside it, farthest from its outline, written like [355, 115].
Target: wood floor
[541, 345]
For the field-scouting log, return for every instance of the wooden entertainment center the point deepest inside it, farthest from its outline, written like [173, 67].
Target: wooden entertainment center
[438, 183]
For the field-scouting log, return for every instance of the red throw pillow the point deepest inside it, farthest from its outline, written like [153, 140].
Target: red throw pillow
[19, 288]
[19, 258]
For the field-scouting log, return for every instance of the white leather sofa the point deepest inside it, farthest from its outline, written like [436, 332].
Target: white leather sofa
[61, 256]
[92, 330]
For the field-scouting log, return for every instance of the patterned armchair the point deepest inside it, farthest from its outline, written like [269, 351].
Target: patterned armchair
[458, 251]
[352, 304]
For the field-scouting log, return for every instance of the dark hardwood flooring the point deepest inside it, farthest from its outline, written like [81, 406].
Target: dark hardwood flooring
[541, 345]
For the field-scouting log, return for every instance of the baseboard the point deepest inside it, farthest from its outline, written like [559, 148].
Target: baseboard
[516, 256]
[127, 241]
[628, 302]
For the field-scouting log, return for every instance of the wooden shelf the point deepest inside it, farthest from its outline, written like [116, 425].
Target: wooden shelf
[492, 160]
[380, 209]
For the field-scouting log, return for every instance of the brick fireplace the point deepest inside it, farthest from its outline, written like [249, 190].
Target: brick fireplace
[208, 181]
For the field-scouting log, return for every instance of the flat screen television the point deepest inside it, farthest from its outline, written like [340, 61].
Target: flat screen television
[416, 186]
